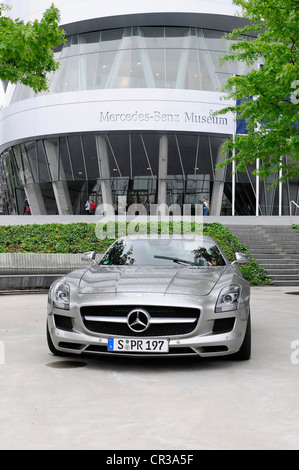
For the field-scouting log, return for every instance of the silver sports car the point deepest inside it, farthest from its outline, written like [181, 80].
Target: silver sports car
[153, 296]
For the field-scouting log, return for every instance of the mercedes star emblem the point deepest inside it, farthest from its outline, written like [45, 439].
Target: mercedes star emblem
[138, 320]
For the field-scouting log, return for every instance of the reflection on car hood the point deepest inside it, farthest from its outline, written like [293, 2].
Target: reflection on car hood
[133, 279]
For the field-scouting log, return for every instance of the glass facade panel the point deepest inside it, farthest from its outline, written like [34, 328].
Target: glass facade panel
[153, 37]
[91, 156]
[43, 167]
[89, 42]
[138, 70]
[110, 39]
[31, 156]
[141, 57]
[58, 82]
[104, 69]
[76, 153]
[72, 81]
[88, 65]
[134, 173]
[214, 40]
[66, 172]
[174, 37]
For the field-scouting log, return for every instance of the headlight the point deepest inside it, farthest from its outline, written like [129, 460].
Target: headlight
[228, 299]
[61, 296]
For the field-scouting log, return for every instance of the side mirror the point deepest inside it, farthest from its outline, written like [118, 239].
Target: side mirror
[241, 258]
[89, 256]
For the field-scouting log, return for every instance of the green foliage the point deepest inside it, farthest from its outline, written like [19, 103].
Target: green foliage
[82, 237]
[273, 113]
[26, 49]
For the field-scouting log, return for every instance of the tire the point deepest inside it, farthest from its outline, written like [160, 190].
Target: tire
[244, 352]
[51, 345]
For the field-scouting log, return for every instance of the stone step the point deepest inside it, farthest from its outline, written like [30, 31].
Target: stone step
[286, 283]
[291, 277]
[267, 256]
[281, 272]
[276, 249]
[268, 251]
[279, 265]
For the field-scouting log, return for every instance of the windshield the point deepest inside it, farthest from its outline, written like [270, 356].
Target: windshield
[163, 252]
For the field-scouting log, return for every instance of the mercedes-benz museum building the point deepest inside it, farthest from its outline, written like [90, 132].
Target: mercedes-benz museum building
[130, 113]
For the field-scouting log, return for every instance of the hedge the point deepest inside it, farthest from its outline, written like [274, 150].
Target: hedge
[82, 237]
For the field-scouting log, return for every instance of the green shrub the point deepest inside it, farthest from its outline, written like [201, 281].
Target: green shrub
[81, 237]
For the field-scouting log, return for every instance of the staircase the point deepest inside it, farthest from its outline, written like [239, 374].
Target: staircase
[275, 248]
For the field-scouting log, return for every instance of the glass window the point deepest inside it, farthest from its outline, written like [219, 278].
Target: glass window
[121, 71]
[88, 65]
[89, 42]
[174, 37]
[74, 50]
[176, 67]
[174, 158]
[110, 40]
[72, 76]
[157, 61]
[140, 161]
[126, 41]
[193, 78]
[218, 67]
[91, 157]
[104, 69]
[214, 40]
[66, 172]
[153, 37]
[66, 48]
[209, 80]
[30, 150]
[43, 168]
[59, 78]
[119, 154]
[78, 163]
[151, 144]
[138, 76]
[187, 145]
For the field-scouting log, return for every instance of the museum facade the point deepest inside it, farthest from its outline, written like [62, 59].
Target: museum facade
[130, 113]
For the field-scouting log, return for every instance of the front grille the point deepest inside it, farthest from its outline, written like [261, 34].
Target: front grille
[170, 321]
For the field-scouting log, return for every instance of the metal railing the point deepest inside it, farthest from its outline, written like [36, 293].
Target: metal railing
[295, 204]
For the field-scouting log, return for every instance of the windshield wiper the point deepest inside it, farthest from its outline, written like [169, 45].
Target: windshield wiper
[176, 260]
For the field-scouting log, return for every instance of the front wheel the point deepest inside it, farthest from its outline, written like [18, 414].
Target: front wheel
[244, 352]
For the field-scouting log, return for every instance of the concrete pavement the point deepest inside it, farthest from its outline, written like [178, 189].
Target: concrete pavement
[70, 403]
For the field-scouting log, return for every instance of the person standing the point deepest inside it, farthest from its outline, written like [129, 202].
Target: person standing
[92, 207]
[26, 207]
[206, 207]
[87, 207]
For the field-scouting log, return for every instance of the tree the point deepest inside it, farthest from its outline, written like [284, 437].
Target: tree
[267, 96]
[26, 49]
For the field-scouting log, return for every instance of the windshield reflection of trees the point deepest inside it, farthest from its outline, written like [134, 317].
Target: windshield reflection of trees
[118, 254]
[140, 252]
[211, 257]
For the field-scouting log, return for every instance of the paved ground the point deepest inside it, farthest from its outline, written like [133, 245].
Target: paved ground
[112, 404]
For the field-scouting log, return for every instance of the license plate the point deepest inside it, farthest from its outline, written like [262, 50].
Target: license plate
[140, 345]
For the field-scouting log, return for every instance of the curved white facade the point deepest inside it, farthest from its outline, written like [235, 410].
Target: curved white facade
[75, 112]
[129, 112]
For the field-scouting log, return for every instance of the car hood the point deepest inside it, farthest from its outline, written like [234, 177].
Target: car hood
[131, 279]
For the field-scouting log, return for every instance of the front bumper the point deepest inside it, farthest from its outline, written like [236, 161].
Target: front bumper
[204, 340]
